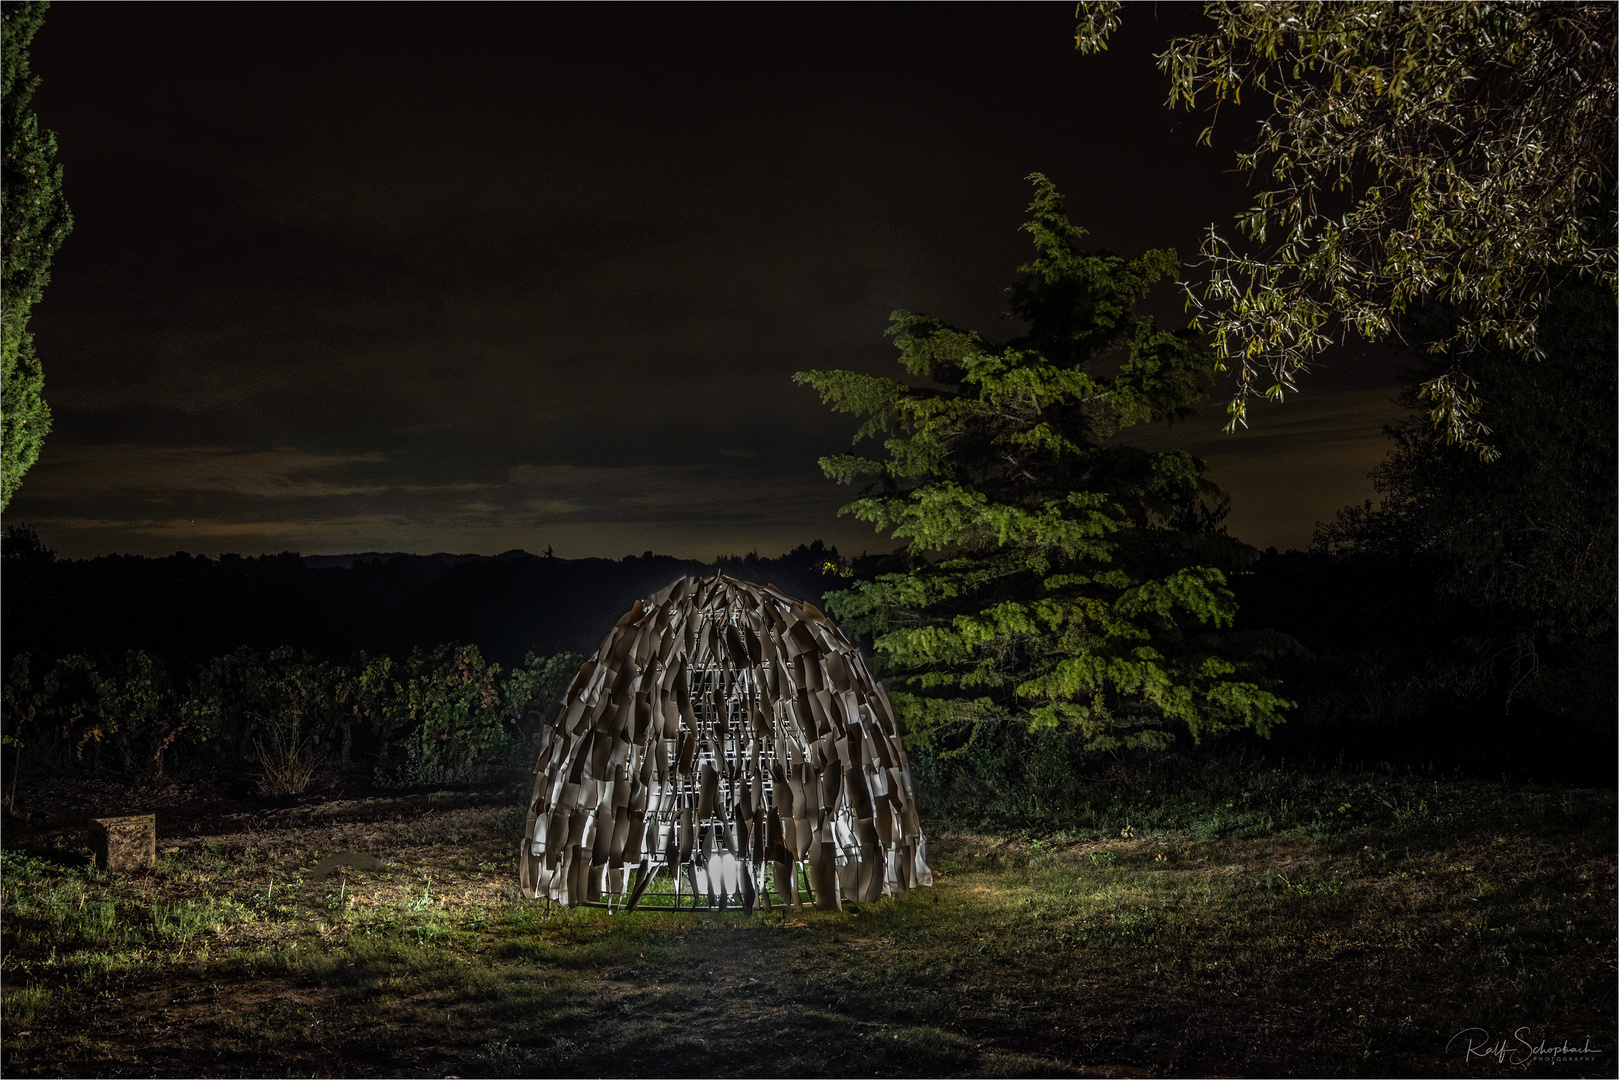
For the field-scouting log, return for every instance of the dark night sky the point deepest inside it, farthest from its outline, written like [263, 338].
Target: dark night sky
[467, 278]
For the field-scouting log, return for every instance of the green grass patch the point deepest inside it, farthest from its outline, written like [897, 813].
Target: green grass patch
[1141, 944]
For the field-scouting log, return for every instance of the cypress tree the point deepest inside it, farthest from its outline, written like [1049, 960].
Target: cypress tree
[34, 220]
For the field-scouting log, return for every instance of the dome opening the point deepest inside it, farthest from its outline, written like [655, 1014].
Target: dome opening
[725, 743]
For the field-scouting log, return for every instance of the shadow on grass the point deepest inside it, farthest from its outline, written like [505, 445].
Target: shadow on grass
[1357, 948]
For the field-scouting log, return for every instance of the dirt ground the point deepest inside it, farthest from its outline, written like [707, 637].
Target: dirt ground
[1117, 956]
[724, 1001]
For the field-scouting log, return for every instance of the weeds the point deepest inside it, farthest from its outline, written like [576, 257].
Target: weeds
[1358, 946]
[1250, 797]
[286, 766]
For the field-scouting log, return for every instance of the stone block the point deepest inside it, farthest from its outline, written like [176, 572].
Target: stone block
[124, 843]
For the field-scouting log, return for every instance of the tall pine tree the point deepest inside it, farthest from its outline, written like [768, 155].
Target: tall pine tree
[1057, 577]
[34, 220]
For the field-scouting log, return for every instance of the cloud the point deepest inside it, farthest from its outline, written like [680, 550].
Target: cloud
[153, 500]
[84, 537]
[595, 490]
[165, 473]
[733, 492]
[553, 507]
[1297, 463]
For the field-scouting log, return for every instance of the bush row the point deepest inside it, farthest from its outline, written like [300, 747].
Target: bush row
[439, 715]
[1044, 784]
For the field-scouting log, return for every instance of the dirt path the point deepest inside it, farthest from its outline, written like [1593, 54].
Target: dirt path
[1266, 957]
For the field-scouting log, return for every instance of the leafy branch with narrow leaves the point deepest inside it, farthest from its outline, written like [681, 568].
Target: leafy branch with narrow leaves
[1421, 164]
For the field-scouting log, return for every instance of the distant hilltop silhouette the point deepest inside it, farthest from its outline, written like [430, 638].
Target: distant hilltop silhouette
[188, 608]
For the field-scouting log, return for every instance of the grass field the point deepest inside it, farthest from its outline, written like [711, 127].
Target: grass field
[1382, 926]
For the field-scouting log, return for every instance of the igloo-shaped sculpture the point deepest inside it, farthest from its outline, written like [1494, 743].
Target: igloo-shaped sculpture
[728, 741]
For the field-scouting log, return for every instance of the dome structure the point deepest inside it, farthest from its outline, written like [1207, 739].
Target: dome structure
[725, 743]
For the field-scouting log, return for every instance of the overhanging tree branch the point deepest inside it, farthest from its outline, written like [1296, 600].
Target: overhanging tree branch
[1449, 159]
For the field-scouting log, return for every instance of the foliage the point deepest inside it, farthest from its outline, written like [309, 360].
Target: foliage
[140, 704]
[454, 714]
[1019, 785]
[278, 709]
[1452, 156]
[807, 570]
[1054, 576]
[286, 766]
[296, 708]
[446, 718]
[226, 692]
[20, 711]
[76, 707]
[365, 689]
[442, 715]
[61, 702]
[34, 220]
[73, 702]
[20, 547]
[19, 714]
[530, 694]
[1524, 547]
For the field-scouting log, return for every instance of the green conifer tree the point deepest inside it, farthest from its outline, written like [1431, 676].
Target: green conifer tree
[1056, 577]
[34, 220]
